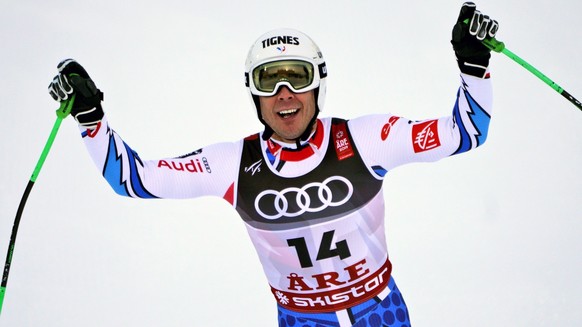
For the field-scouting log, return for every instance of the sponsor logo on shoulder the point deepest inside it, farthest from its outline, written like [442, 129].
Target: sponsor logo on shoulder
[425, 136]
[388, 127]
[192, 166]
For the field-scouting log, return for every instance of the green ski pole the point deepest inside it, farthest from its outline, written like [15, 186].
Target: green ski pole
[62, 112]
[499, 46]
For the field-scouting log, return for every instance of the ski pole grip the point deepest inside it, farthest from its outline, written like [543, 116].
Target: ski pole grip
[66, 106]
[492, 43]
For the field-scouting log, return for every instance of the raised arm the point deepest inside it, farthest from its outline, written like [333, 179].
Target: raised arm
[388, 141]
[207, 171]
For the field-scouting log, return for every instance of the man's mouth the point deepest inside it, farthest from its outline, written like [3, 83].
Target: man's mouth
[287, 113]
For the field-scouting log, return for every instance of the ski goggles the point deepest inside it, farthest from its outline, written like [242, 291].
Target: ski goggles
[299, 75]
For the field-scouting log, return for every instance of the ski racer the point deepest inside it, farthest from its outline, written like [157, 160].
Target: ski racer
[308, 189]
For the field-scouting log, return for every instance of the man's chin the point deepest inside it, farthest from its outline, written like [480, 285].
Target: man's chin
[286, 137]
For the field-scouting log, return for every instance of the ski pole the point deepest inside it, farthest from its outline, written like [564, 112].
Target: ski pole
[62, 112]
[499, 46]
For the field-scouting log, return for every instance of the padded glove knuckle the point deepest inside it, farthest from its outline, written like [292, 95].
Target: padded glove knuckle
[53, 91]
[64, 84]
[493, 29]
[476, 23]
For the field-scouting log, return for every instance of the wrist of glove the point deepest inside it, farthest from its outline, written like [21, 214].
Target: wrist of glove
[73, 78]
[471, 29]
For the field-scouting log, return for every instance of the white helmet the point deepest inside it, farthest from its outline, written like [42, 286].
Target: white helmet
[285, 57]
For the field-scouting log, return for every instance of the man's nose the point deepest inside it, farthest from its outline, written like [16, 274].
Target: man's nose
[285, 93]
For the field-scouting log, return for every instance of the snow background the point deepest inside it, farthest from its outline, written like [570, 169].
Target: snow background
[490, 238]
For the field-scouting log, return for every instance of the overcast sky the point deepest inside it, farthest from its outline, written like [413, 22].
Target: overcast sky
[489, 238]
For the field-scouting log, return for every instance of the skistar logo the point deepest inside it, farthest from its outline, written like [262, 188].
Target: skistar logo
[192, 166]
[278, 40]
[425, 136]
[387, 127]
[333, 291]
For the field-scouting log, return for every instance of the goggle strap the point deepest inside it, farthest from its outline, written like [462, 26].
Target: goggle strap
[322, 70]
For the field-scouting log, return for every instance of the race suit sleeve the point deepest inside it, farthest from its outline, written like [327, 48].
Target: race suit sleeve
[387, 141]
[207, 171]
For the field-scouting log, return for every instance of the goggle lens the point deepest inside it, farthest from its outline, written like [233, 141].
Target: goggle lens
[299, 74]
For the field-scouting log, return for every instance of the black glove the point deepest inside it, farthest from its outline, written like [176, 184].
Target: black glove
[72, 77]
[471, 28]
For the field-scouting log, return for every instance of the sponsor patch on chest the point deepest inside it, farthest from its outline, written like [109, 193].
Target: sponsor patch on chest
[343, 146]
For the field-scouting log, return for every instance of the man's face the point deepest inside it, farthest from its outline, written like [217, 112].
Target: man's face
[288, 113]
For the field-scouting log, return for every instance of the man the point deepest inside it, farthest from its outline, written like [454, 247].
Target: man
[309, 189]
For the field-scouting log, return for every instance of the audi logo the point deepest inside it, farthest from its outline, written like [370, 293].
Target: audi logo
[304, 203]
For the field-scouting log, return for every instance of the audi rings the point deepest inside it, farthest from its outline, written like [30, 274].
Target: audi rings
[303, 199]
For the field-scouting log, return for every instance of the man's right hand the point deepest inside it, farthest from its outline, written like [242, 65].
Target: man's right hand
[471, 28]
[72, 77]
